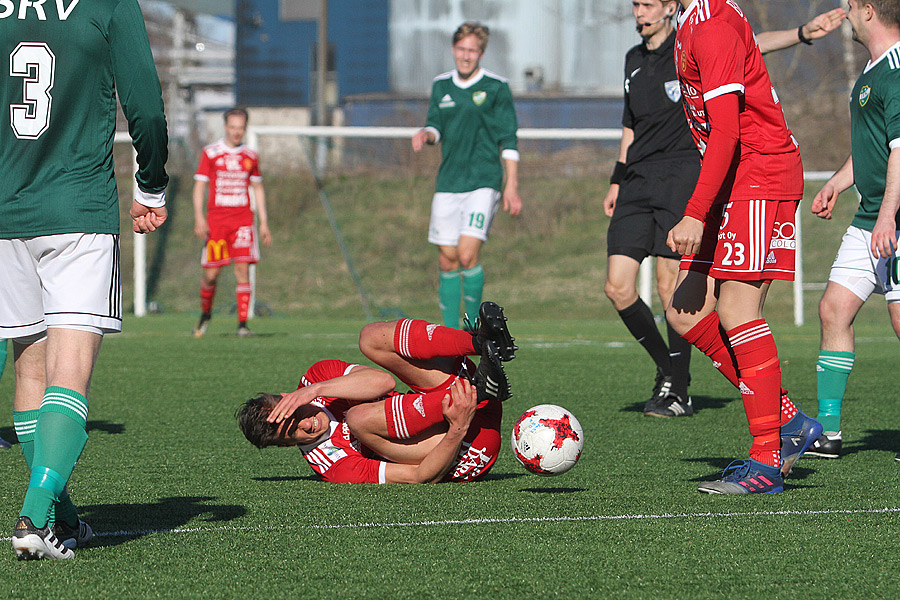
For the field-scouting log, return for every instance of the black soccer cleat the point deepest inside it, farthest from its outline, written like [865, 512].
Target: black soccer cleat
[671, 406]
[31, 543]
[826, 446]
[662, 389]
[73, 537]
[491, 326]
[490, 379]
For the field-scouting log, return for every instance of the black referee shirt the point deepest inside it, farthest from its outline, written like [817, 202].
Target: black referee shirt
[653, 105]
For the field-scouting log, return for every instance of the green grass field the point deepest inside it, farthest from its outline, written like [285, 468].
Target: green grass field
[184, 507]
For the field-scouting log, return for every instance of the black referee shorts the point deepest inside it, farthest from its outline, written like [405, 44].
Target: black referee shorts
[651, 201]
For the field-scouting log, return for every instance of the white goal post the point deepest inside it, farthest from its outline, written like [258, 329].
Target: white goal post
[254, 132]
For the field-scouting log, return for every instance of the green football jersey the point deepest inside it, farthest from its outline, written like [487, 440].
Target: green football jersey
[67, 60]
[474, 121]
[874, 128]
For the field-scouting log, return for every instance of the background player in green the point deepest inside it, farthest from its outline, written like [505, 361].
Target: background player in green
[60, 287]
[867, 260]
[471, 115]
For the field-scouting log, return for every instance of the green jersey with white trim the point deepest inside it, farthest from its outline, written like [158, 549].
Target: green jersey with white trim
[67, 60]
[474, 121]
[874, 132]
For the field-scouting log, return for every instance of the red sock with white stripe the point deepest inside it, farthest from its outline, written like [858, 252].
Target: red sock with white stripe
[708, 337]
[414, 338]
[242, 292]
[207, 293]
[408, 415]
[760, 384]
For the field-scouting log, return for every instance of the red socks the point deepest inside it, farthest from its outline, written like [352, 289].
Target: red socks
[242, 292]
[408, 415]
[760, 383]
[414, 338]
[707, 337]
[207, 293]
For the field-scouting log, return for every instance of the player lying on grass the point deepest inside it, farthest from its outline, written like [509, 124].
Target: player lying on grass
[353, 427]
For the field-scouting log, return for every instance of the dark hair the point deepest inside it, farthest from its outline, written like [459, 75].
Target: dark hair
[473, 28]
[888, 11]
[251, 416]
[237, 110]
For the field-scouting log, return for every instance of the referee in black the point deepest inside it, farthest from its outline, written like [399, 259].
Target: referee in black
[651, 183]
[650, 186]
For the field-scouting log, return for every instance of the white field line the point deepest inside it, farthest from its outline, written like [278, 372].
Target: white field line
[513, 520]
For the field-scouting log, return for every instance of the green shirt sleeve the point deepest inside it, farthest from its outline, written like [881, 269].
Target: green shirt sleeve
[505, 122]
[433, 120]
[140, 94]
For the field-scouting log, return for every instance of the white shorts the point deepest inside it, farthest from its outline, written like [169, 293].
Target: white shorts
[469, 214]
[70, 280]
[857, 269]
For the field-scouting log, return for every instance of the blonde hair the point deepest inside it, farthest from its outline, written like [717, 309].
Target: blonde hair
[473, 28]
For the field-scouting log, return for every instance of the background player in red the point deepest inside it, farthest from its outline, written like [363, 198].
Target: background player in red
[353, 428]
[231, 169]
[737, 232]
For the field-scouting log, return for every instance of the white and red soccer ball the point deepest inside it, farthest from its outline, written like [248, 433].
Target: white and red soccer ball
[547, 439]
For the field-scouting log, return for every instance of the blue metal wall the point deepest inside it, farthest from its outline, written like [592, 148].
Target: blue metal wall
[274, 59]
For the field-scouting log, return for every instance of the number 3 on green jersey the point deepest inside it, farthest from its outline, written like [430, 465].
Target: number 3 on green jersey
[35, 64]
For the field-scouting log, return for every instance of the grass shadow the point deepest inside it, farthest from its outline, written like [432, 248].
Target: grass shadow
[288, 478]
[699, 402]
[116, 524]
[564, 490]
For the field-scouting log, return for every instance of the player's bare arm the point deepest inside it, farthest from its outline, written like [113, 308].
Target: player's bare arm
[818, 27]
[420, 138]
[145, 219]
[259, 194]
[361, 384]
[459, 410]
[824, 202]
[612, 195]
[201, 229]
[685, 237]
[512, 203]
[884, 233]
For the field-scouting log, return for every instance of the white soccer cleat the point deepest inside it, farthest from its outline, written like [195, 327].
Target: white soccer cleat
[31, 543]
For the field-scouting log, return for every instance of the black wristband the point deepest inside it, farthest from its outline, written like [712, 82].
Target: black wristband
[802, 37]
[618, 173]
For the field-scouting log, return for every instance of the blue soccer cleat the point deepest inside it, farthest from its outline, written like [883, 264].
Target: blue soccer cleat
[746, 477]
[797, 435]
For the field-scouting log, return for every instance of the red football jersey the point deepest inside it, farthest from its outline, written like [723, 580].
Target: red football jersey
[716, 53]
[229, 172]
[339, 457]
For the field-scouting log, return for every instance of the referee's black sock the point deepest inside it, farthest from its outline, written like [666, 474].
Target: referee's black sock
[638, 318]
[680, 356]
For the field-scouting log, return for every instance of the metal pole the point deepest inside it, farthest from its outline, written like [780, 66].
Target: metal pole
[321, 82]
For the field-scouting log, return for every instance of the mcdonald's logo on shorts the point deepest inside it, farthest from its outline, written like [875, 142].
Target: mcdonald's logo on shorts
[216, 250]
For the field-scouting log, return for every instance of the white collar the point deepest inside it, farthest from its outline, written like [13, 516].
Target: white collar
[468, 82]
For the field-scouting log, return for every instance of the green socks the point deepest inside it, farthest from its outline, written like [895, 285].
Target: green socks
[832, 371]
[59, 438]
[473, 288]
[449, 296]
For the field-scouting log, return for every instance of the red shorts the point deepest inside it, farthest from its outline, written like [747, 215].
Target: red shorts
[480, 447]
[748, 240]
[230, 241]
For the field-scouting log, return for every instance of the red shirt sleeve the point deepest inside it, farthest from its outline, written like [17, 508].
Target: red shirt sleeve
[204, 169]
[323, 371]
[721, 156]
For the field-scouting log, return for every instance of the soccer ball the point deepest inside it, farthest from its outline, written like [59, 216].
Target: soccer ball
[547, 439]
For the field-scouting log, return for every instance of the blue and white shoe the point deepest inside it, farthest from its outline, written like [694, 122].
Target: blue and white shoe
[797, 435]
[4, 444]
[746, 477]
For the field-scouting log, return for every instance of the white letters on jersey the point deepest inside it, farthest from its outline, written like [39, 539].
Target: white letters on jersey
[8, 7]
